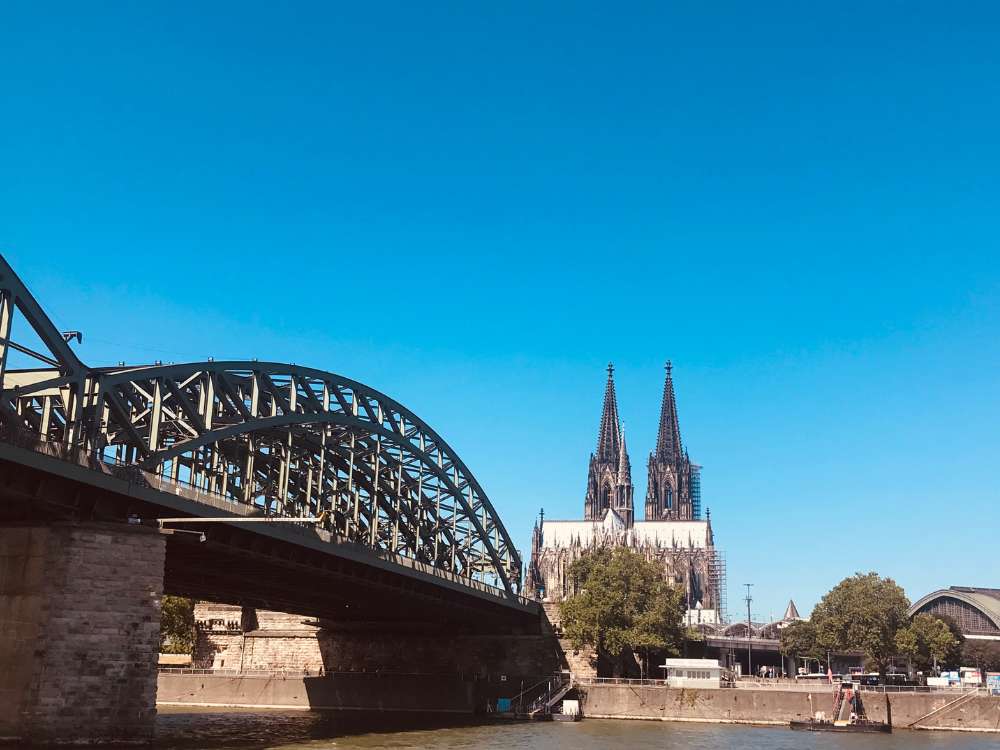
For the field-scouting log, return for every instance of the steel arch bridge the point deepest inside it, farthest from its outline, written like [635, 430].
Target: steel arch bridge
[259, 437]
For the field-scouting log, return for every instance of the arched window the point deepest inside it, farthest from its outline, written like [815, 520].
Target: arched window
[606, 493]
[670, 498]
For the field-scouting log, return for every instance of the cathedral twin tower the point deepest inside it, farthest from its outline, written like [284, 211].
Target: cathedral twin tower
[673, 489]
[672, 534]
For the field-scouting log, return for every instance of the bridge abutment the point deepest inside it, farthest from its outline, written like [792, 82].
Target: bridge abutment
[250, 640]
[79, 632]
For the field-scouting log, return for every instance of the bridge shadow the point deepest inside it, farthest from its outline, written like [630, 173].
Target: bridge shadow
[426, 667]
[204, 728]
[392, 693]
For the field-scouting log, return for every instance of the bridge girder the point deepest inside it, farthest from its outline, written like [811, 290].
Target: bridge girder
[265, 437]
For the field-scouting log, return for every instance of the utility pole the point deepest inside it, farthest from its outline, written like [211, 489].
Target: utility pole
[749, 635]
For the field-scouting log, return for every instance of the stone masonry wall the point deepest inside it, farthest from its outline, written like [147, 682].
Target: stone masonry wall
[237, 638]
[79, 631]
[218, 640]
[270, 620]
[581, 662]
[358, 651]
[280, 651]
[213, 650]
[22, 599]
[277, 641]
[376, 650]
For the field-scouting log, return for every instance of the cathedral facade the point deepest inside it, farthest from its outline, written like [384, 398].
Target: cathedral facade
[672, 533]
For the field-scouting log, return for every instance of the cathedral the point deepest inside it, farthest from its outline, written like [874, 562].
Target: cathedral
[672, 533]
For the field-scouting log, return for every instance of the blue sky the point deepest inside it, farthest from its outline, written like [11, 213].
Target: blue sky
[475, 208]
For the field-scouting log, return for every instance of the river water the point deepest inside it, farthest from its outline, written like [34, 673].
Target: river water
[277, 730]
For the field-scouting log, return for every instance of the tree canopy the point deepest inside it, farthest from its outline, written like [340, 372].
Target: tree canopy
[623, 602]
[863, 612]
[798, 639]
[176, 625]
[928, 641]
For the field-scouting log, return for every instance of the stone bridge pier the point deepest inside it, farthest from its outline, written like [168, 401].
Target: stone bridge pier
[79, 632]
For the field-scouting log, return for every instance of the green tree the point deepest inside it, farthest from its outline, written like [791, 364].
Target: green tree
[623, 603]
[799, 641]
[953, 659]
[176, 625]
[927, 641]
[862, 613]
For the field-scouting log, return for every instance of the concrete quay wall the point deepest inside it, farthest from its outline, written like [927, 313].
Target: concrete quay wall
[453, 694]
[737, 706]
[341, 692]
[767, 706]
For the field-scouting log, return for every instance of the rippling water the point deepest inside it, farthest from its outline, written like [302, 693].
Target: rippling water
[185, 729]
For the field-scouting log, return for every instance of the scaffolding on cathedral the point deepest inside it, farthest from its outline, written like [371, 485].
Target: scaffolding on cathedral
[717, 578]
[696, 491]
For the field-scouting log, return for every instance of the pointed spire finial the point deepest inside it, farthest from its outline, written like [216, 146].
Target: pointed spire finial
[668, 438]
[624, 467]
[608, 436]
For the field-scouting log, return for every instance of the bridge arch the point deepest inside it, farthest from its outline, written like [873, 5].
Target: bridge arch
[271, 437]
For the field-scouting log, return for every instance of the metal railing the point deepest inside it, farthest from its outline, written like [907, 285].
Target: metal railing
[801, 687]
[543, 703]
[797, 687]
[951, 689]
[299, 673]
[537, 697]
[619, 681]
[284, 673]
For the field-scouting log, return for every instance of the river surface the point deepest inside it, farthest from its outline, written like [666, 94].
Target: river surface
[185, 729]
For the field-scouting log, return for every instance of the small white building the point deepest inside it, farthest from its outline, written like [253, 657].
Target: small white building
[692, 673]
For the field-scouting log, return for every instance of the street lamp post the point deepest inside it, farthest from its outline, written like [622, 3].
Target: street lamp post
[749, 636]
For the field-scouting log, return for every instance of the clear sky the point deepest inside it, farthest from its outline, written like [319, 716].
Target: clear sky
[474, 207]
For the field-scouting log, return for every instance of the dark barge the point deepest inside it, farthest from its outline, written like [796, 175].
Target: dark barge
[849, 713]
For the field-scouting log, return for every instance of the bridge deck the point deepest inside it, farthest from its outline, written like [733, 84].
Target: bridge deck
[286, 566]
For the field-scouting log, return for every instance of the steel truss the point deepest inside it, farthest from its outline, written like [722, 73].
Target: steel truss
[282, 439]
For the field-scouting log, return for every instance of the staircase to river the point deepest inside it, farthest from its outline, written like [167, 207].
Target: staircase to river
[927, 720]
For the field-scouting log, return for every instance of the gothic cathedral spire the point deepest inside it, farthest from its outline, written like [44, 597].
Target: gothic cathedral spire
[609, 481]
[608, 437]
[668, 438]
[668, 494]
